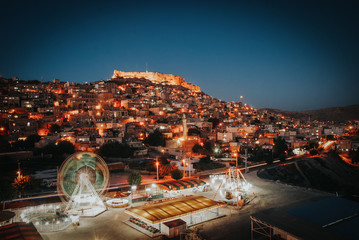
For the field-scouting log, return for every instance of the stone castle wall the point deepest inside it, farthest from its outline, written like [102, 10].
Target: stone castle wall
[158, 78]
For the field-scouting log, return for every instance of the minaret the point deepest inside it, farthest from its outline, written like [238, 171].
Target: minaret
[242, 100]
[184, 121]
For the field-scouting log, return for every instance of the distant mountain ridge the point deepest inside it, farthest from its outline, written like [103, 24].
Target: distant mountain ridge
[348, 113]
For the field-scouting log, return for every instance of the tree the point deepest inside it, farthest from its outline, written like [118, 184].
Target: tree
[31, 140]
[165, 166]
[208, 147]
[311, 145]
[134, 179]
[258, 155]
[205, 149]
[156, 139]
[197, 148]
[205, 160]
[116, 149]
[214, 121]
[177, 174]
[280, 147]
[57, 149]
[65, 147]
[163, 160]
[54, 128]
[22, 183]
[194, 132]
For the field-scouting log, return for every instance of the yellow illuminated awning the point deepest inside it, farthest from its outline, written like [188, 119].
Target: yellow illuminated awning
[172, 209]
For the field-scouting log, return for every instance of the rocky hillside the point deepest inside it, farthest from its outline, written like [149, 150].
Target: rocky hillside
[157, 78]
[343, 114]
[329, 174]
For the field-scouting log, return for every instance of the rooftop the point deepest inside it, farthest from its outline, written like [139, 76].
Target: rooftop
[172, 209]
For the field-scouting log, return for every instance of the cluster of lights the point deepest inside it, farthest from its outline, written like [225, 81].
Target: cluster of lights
[30, 212]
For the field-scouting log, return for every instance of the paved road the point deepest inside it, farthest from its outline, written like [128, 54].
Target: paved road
[268, 195]
[236, 225]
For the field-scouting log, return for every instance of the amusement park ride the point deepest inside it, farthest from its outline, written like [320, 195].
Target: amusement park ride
[82, 179]
[231, 186]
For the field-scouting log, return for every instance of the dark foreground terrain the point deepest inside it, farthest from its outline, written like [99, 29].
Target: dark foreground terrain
[329, 173]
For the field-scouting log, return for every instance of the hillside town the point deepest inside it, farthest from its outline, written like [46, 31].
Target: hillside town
[128, 110]
[160, 157]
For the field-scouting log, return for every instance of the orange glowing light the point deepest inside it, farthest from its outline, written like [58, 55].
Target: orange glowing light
[101, 132]
[116, 104]
[58, 91]
[56, 103]
[2, 129]
[43, 131]
[98, 107]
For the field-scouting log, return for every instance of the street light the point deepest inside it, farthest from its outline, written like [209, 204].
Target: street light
[184, 167]
[246, 160]
[157, 163]
[133, 188]
[189, 167]
[236, 156]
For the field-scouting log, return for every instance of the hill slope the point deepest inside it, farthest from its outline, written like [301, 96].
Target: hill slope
[329, 174]
[347, 113]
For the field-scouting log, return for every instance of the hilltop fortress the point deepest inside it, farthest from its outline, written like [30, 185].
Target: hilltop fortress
[158, 78]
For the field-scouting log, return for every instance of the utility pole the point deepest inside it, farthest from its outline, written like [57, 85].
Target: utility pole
[157, 169]
[189, 166]
[184, 167]
[245, 162]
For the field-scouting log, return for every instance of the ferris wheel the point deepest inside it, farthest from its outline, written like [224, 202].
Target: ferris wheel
[79, 166]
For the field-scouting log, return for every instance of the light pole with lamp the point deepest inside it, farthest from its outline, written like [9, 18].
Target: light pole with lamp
[184, 167]
[189, 166]
[236, 156]
[157, 163]
[246, 160]
[133, 188]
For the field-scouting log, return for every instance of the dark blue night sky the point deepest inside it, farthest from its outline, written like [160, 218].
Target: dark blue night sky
[292, 55]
